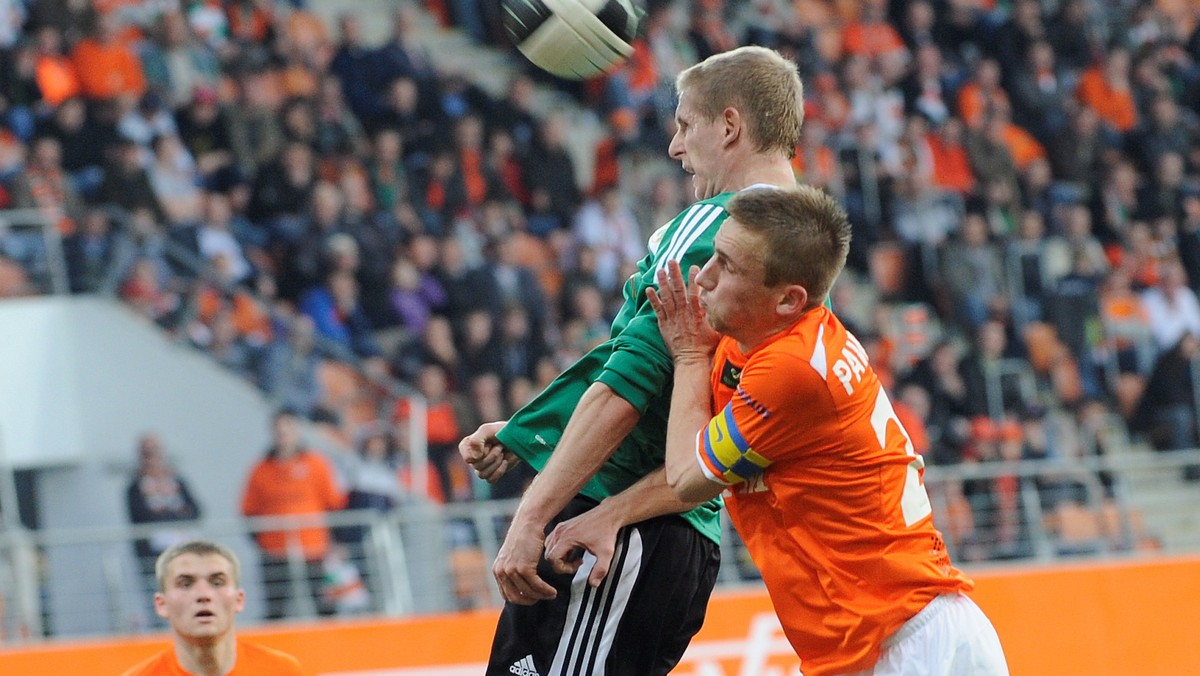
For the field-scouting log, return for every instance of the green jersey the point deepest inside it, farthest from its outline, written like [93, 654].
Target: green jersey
[634, 362]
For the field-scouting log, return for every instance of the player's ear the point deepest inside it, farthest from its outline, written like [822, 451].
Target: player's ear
[733, 124]
[160, 604]
[793, 300]
[241, 600]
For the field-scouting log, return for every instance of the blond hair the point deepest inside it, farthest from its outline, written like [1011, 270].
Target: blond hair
[199, 548]
[761, 84]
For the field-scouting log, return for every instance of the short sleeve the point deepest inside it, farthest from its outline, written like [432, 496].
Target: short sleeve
[774, 402]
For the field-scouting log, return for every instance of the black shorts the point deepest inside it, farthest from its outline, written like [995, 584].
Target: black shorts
[637, 622]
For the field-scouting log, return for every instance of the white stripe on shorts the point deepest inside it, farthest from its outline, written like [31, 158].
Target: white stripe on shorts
[594, 615]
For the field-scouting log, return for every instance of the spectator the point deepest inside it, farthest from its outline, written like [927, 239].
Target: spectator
[176, 63]
[973, 270]
[1106, 89]
[143, 290]
[291, 481]
[372, 482]
[126, 182]
[1172, 307]
[54, 71]
[1071, 37]
[229, 348]
[415, 295]
[981, 377]
[401, 56]
[550, 168]
[335, 310]
[1166, 412]
[215, 237]
[45, 186]
[175, 181]
[1039, 92]
[1167, 129]
[255, 130]
[404, 108]
[91, 253]
[1076, 155]
[927, 89]
[83, 143]
[444, 412]
[289, 371]
[143, 122]
[282, 189]
[1126, 325]
[108, 68]
[337, 129]
[609, 227]
[353, 66]
[158, 495]
[204, 130]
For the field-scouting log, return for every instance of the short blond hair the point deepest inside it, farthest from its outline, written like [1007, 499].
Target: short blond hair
[761, 84]
[199, 548]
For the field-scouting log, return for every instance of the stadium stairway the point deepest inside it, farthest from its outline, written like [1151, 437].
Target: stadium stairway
[1169, 505]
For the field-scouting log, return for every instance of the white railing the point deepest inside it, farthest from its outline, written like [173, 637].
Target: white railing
[423, 558]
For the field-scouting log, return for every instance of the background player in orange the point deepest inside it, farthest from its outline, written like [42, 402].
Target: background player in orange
[199, 595]
[824, 485]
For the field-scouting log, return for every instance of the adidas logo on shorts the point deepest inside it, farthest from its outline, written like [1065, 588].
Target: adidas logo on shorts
[524, 667]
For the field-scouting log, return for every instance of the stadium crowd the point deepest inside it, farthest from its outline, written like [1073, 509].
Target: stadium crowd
[340, 222]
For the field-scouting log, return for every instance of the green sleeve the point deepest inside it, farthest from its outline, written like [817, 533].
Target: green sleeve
[640, 368]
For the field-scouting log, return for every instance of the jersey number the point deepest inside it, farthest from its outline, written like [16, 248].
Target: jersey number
[914, 502]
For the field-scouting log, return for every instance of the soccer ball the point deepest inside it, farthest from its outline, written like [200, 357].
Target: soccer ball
[573, 39]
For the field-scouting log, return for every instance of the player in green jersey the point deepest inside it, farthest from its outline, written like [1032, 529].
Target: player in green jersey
[637, 594]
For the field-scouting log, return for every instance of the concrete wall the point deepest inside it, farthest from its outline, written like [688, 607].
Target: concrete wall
[80, 380]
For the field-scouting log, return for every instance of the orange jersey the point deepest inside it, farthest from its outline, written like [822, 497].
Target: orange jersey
[252, 660]
[826, 492]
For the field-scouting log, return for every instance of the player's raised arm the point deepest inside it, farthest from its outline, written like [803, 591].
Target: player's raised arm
[691, 340]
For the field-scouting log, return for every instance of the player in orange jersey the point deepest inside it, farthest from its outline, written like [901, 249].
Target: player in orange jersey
[200, 594]
[824, 485]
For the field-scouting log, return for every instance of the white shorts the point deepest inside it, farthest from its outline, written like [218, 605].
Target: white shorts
[949, 637]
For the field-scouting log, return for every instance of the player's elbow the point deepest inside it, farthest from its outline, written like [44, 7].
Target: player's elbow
[687, 486]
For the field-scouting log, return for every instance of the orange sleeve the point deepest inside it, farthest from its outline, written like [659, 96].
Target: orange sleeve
[1023, 146]
[251, 497]
[751, 432]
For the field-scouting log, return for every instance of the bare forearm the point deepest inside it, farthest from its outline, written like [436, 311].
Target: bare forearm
[690, 405]
[600, 422]
[646, 499]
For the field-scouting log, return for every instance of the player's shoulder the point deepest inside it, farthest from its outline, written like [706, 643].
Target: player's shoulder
[260, 659]
[159, 664]
[804, 351]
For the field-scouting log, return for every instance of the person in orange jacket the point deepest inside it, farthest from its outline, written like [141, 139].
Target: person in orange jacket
[292, 481]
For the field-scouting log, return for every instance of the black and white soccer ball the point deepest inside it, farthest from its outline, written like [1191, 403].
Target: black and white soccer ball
[573, 39]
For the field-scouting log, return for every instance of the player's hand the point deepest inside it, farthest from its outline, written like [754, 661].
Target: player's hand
[483, 452]
[515, 568]
[681, 319]
[590, 532]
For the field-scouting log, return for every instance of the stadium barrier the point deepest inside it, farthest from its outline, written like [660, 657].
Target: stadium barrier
[1095, 618]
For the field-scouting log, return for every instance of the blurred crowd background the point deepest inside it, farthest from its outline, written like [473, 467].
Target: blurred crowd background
[345, 223]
